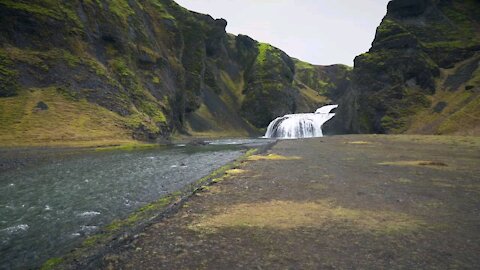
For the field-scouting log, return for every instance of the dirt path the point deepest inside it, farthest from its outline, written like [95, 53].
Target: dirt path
[343, 202]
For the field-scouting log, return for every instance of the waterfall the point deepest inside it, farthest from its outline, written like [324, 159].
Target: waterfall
[302, 125]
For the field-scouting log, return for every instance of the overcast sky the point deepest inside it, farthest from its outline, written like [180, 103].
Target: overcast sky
[317, 31]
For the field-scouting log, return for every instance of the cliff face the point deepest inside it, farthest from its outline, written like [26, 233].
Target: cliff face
[116, 69]
[421, 73]
[145, 69]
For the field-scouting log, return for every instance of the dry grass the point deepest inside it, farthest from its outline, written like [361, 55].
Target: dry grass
[461, 116]
[318, 186]
[235, 172]
[425, 163]
[359, 143]
[272, 157]
[471, 141]
[403, 181]
[65, 122]
[285, 215]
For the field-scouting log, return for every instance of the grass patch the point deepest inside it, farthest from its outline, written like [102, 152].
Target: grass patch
[317, 186]
[129, 147]
[65, 122]
[221, 173]
[51, 263]
[235, 171]
[403, 181]
[359, 142]
[272, 157]
[143, 213]
[434, 139]
[425, 163]
[443, 184]
[121, 9]
[287, 215]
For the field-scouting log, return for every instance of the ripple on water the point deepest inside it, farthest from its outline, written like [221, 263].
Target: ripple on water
[56, 199]
[88, 229]
[16, 229]
[89, 214]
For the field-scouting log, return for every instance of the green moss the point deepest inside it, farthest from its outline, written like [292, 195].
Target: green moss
[120, 67]
[268, 60]
[160, 8]
[70, 59]
[95, 66]
[466, 117]
[301, 65]
[30, 8]
[58, 10]
[93, 240]
[263, 49]
[156, 80]
[121, 9]
[219, 174]
[142, 213]
[128, 147]
[389, 26]
[42, 59]
[391, 124]
[8, 77]
[445, 44]
[51, 263]
[68, 121]
[374, 59]
[153, 110]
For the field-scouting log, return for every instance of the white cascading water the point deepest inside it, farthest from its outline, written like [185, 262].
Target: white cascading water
[302, 125]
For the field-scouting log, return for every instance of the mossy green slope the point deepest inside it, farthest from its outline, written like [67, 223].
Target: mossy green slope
[416, 47]
[159, 67]
[320, 84]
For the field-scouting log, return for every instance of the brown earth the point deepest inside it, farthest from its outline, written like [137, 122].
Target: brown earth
[342, 202]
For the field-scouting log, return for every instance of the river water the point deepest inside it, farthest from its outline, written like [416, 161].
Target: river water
[45, 210]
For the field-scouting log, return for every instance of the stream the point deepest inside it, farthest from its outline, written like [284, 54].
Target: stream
[48, 208]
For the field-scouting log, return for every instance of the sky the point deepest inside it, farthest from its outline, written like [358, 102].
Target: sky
[316, 31]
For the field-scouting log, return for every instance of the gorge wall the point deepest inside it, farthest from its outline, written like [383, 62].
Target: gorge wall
[98, 69]
[113, 70]
[421, 75]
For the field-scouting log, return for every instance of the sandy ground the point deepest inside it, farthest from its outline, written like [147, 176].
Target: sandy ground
[342, 202]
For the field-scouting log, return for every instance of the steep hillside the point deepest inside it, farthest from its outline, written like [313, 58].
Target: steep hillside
[326, 83]
[140, 69]
[421, 74]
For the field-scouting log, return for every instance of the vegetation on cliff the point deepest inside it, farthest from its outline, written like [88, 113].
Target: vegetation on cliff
[152, 69]
[424, 54]
[158, 69]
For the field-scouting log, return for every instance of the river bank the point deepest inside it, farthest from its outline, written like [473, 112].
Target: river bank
[17, 156]
[60, 196]
[370, 202]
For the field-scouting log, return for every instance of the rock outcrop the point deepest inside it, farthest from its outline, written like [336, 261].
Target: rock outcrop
[425, 53]
[152, 68]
